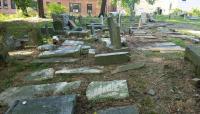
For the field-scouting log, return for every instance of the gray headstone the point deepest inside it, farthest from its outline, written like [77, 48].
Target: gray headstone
[99, 90]
[48, 105]
[41, 75]
[82, 70]
[27, 92]
[55, 60]
[46, 47]
[192, 53]
[61, 51]
[72, 42]
[112, 58]
[120, 110]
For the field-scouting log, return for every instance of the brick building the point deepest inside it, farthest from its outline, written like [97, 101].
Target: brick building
[77, 7]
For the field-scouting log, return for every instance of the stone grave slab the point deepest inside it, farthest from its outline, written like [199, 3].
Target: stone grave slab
[82, 70]
[164, 44]
[72, 42]
[48, 105]
[112, 58]
[61, 51]
[46, 47]
[99, 90]
[120, 110]
[41, 75]
[27, 92]
[192, 53]
[132, 66]
[55, 60]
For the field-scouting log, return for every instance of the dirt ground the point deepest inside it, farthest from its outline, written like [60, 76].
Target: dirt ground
[169, 75]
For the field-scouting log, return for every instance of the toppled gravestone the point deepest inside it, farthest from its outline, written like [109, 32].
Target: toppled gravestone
[61, 51]
[10, 95]
[46, 47]
[82, 70]
[55, 60]
[48, 105]
[112, 58]
[120, 110]
[72, 42]
[41, 75]
[127, 67]
[192, 53]
[100, 90]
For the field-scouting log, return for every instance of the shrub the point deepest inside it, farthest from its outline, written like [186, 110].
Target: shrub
[54, 8]
[195, 12]
[177, 11]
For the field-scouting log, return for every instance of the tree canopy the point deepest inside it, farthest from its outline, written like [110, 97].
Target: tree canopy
[23, 4]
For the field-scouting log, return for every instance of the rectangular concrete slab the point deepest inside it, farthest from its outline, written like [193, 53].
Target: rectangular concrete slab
[27, 92]
[55, 60]
[48, 105]
[112, 58]
[99, 90]
[82, 70]
[120, 110]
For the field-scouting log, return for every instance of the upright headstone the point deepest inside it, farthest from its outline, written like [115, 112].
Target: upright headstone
[60, 21]
[114, 33]
[102, 21]
[143, 18]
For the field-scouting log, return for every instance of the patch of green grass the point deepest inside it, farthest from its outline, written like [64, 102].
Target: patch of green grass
[178, 42]
[178, 20]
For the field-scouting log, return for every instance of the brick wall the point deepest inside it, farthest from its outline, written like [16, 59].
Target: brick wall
[96, 5]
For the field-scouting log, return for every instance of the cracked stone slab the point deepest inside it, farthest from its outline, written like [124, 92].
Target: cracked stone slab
[41, 75]
[56, 60]
[120, 110]
[99, 90]
[46, 47]
[10, 95]
[127, 67]
[82, 70]
[61, 51]
[47, 105]
[72, 42]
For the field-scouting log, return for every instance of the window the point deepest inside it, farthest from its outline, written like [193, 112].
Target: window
[5, 4]
[89, 8]
[13, 4]
[75, 7]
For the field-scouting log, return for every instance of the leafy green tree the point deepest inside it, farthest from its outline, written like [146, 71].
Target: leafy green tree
[23, 5]
[55, 8]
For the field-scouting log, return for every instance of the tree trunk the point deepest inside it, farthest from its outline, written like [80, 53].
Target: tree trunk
[132, 17]
[3, 46]
[40, 9]
[103, 8]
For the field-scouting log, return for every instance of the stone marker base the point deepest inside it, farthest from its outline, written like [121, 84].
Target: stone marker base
[112, 58]
[48, 105]
[192, 53]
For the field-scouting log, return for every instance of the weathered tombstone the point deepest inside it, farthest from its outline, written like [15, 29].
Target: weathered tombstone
[114, 33]
[192, 53]
[102, 21]
[3, 46]
[60, 21]
[10, 95]
[143, 18]
[48, 105]
[99, 90]
[34, 35]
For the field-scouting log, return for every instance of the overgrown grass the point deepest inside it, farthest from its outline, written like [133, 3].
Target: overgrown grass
[178, 20]
[178, 42]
